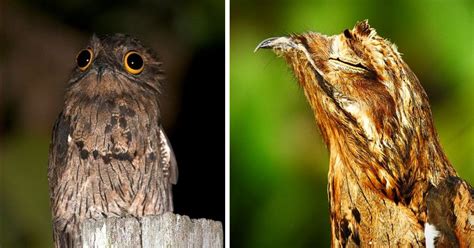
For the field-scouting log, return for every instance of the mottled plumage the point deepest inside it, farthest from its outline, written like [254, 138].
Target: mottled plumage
[109, 154]
[388, 176]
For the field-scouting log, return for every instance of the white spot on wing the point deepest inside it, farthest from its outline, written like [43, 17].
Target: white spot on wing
[430, 234]
[165, 151]
[69, 138]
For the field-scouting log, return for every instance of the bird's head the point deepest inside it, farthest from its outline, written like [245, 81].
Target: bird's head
[114, 62]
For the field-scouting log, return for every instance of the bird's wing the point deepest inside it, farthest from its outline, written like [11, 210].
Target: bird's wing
[58, 150]
[168, 158]
[450, 210]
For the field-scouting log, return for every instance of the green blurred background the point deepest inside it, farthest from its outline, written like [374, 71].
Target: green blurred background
[39, 40]
[278, 161]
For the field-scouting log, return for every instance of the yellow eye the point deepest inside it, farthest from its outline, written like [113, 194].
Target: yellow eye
[84, 59]
[133, 62]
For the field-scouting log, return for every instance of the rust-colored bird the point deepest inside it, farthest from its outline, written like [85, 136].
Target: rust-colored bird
[390, 183]
[109, 154]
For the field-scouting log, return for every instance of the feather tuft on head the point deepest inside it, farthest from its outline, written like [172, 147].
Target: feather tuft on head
[363, 29]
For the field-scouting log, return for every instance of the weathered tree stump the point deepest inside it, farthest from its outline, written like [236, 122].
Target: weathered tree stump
[167, 230]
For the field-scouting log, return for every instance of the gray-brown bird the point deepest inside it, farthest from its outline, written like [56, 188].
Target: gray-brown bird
[109, 155]
[390, 183]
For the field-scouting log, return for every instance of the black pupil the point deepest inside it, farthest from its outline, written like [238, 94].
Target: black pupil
[135, 61]
[83, 58]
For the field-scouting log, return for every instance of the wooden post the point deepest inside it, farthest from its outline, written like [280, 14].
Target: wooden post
[167, 230]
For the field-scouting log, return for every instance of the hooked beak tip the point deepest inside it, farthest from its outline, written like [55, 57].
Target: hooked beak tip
[267, 43]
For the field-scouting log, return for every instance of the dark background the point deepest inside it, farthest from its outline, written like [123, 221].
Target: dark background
[38, 44]
[279, 163]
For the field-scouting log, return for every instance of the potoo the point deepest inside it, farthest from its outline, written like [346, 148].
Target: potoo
[109, 155]
[390, 183]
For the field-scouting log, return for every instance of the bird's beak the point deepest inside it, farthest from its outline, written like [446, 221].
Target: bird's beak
[283, 43]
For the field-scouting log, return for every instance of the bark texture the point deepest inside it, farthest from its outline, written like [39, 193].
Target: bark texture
[166, 230]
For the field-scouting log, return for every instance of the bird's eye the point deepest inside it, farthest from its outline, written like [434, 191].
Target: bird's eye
[348, 66]
[133, 62]
[84, 59]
